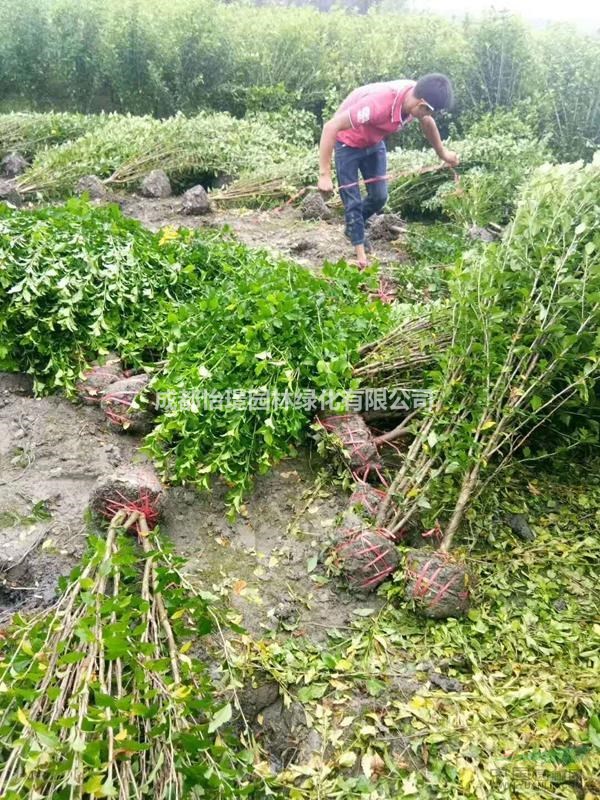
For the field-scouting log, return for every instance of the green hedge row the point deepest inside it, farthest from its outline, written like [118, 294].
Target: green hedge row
[158, 58]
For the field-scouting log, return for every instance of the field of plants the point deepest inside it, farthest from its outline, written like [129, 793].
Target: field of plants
[152, 58]
[417, 614]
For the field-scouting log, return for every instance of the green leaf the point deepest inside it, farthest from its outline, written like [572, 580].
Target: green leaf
[222, 716]
[594, 731]
[78, 743]
[536, 402]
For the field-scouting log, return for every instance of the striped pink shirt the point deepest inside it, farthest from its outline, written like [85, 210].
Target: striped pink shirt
[375, 112]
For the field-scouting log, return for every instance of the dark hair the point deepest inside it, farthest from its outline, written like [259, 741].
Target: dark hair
[436, 90]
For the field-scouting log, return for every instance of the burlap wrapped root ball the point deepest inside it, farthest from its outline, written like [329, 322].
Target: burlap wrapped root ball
[367, 499]
[129, 488]
[126, 407]
[438, 583]
[96, 380]
[352, 437]
[365, 556]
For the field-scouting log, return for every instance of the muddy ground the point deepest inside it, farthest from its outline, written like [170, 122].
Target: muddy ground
[282, 233]
[51, 454]
[265, 564]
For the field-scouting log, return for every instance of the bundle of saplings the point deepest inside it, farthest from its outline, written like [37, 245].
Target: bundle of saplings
[240, 345]
[102, 695]
[125, 148]
[522, 356]
[78, 281]
[27, 132]
[251, 363]
[483, 189]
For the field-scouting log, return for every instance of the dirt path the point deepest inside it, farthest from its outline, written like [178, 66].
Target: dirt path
[282, 233]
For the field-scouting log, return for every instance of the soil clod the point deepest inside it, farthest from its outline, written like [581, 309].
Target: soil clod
[367, 499]
[93, 186]
[156, 184]
[355, 441]
[386, 227]
[196, 201]
[479, 234]
[9, 194]
[519, 526]
[95, 382]
[13, 165]
[287, 736]
[133, 488]
[122, 405]
[366, 556]
[314, 207]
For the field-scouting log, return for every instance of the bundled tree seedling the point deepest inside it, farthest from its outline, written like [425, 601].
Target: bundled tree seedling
[524, 324]
[28, 133]
[482, 190]
[239, 345]
[123, 149]
[102, 696]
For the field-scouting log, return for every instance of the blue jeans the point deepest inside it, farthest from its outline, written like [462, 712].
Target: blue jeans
[371, 162]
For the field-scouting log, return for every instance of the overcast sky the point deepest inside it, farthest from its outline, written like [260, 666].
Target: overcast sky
[579, 11]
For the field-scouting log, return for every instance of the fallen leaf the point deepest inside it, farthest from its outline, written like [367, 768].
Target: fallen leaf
[347, 759]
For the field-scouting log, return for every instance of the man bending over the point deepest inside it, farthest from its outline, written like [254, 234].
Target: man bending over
[358, 132]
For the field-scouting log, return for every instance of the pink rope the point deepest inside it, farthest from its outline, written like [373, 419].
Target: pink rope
[143, 504]
[377, 179]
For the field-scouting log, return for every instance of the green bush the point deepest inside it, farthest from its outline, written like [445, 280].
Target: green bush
[27, 133]
[156, 58]
[569, 106]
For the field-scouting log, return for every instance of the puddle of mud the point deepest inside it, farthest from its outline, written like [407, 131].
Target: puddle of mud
[264, 561]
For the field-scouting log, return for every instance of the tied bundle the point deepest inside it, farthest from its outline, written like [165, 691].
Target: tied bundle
[99, 695]
[519, 356]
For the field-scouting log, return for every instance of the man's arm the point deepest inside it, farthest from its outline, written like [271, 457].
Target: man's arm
[340, 122]
[430, 130]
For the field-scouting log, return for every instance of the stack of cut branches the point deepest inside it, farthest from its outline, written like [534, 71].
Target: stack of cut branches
[272, 183]
[421, 183]
[411, 347]
[26, 132]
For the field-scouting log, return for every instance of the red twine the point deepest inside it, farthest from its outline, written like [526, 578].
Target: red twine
[375, 554]
[143, 505]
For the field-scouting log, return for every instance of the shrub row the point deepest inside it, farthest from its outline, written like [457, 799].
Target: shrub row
[156, 58]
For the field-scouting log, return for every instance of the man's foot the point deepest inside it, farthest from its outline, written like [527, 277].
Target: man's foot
[360, 255]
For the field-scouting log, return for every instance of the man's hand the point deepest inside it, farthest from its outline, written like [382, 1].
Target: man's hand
[432, 135]
[325, 184]
[451, 158]
[340, 122]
